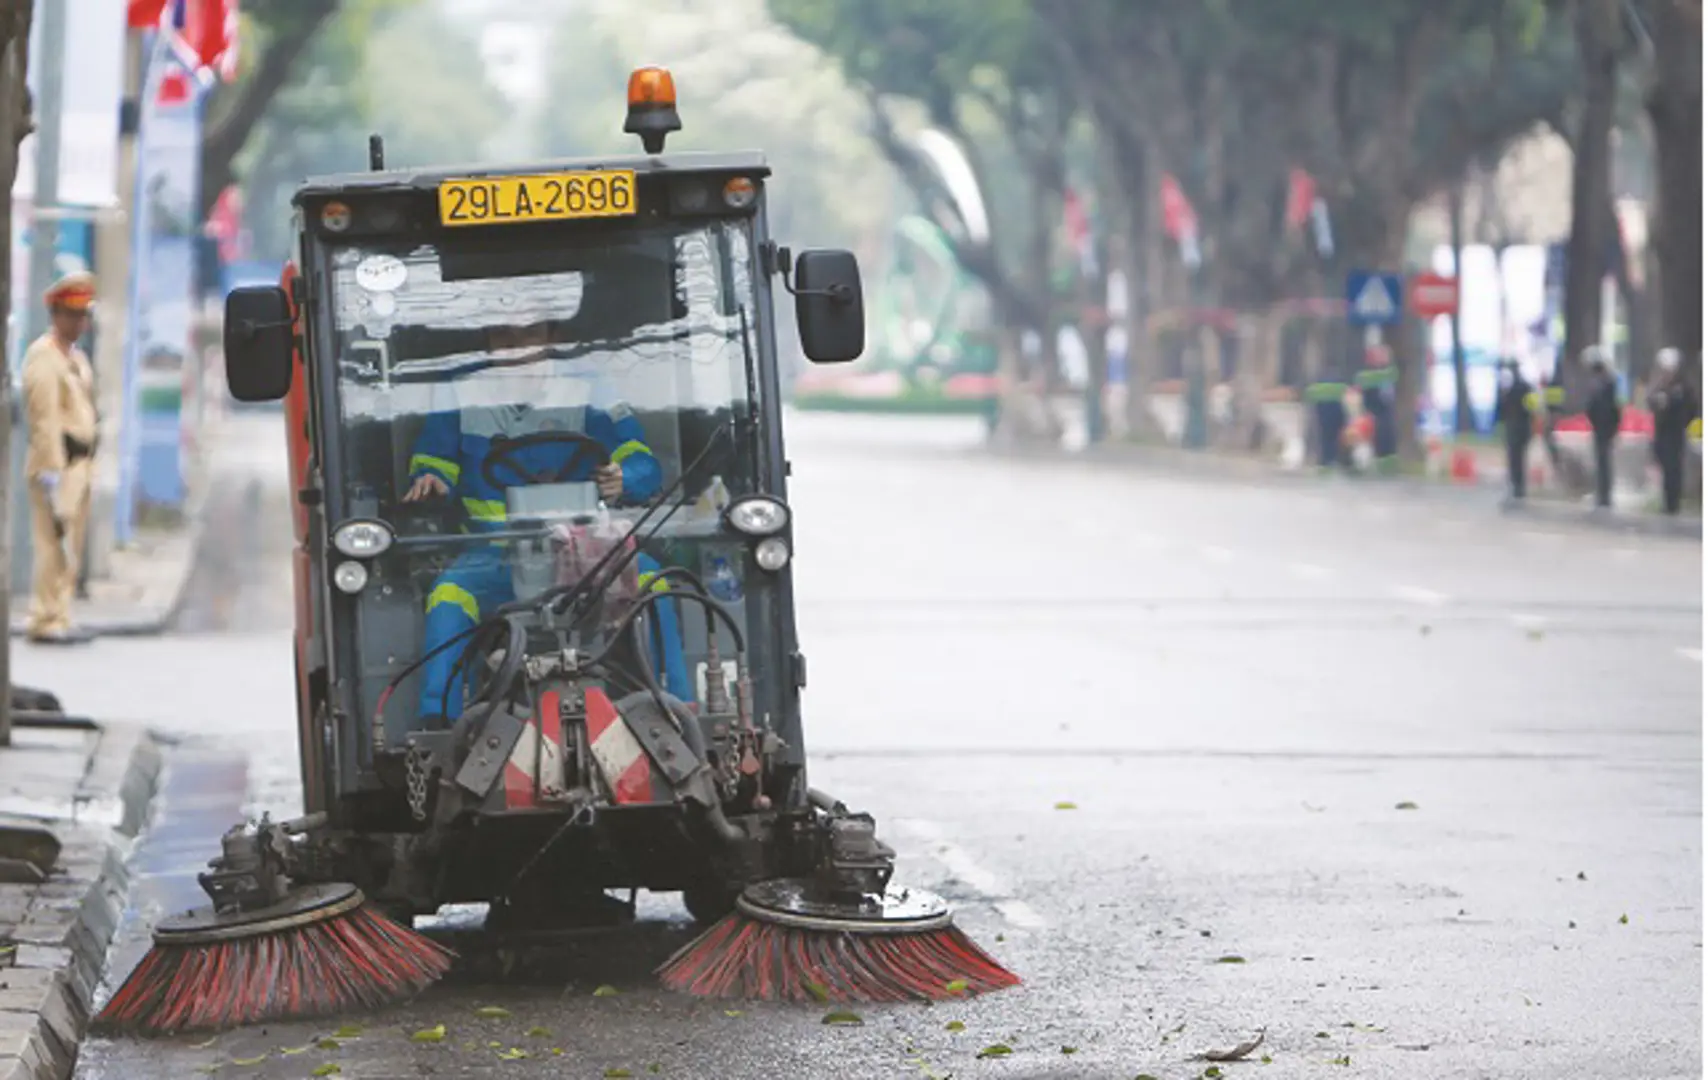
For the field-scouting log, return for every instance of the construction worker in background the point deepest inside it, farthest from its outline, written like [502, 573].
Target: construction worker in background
[1603, 412]
[1376, 386]
[1327, 398]
[521, 392]
[1515, 411]
[59, 404]
[1674, 406]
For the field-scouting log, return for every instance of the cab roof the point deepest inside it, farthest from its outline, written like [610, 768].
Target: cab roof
[750, 162]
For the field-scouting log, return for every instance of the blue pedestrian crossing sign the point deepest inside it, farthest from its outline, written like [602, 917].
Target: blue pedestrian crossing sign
[1373, 298]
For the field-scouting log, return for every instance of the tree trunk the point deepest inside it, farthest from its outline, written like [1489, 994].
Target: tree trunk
[1675, 109]
[1592, 179]
[15, 124]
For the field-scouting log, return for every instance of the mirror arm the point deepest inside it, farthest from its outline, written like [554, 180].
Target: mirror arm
[250, 328]
[839, 293]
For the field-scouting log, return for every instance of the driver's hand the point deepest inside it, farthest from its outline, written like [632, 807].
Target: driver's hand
[425, 486]
[610, 479]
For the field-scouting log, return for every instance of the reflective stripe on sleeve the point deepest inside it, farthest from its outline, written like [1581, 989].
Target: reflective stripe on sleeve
[449, 470]
[447, 592]
[628, 450]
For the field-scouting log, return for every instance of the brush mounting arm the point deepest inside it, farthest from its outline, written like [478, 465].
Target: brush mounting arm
[856, 863]
[252, 870]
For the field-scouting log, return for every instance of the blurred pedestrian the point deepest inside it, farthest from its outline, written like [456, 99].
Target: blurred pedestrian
[1376, 385]
[1674, 405]
[1515, 410]
[1603, 411]
[59, 402]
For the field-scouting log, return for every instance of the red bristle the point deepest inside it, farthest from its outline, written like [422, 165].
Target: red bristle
[744, 957]
[357, 960]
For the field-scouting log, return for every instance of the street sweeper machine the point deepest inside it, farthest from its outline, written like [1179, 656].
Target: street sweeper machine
[545, 642]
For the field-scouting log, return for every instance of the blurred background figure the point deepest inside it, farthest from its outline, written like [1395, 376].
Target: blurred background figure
[1515, 413]
[1603, 410]
[1674, 405]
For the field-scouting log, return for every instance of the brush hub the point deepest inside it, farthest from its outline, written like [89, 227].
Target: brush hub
[302, 906]
[805, 904]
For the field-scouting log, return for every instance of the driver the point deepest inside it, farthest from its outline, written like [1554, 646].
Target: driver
[520, 393]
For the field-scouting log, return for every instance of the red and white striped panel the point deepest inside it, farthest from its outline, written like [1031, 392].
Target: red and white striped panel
[542, 743]
[621, 759]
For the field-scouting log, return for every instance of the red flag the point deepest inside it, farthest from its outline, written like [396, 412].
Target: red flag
[1178, 218]
[174, 88]
[145, 14]
[211, 31]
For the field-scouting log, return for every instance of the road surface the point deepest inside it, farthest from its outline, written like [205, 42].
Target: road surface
[1431, 776]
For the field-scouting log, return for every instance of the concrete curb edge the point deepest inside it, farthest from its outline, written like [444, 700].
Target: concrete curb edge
[60, 948]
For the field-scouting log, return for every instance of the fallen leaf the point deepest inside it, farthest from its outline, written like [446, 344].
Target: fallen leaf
[1212, 1072]
[1230, 959]
[1414, 1046]
[249, 1061]
[1067, 806]
[1144, 1076]
[512, 1054]
[492, 1012]
[538, 1033]
[605, 991]
[331, 1068]
[348, 1031]
[433, 1034]
[1266, 1060]
[328, 1044]
[1238, 1052]
[204, 1045]
[1624, 920]
[1571, 924]
[1405, 806]
[1000, 938]
[817, 990]
[1534, 635]
[209, 1069]
[996, 1050]
[557, 1051]
[655, 1068]
[494, 1044]
[732, 1013]
[956, 986]
[842, 1016]
[954, 1025]
[617, 1074]
[1582, 876]
[1344, 1059]
[1322, 1034]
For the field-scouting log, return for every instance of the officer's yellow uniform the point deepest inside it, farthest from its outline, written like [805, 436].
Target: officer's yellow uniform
[59, 403]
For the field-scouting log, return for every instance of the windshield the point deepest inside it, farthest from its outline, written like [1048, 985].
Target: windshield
[504, 396]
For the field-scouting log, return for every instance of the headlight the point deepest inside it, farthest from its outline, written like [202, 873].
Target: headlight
[771, 553]
[757, 515]
[362, 539]
[350, 577]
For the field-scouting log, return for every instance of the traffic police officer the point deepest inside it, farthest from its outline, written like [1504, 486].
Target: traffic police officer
[1515, 411]
[1674, 406]
[1603, 412]
[59, 403]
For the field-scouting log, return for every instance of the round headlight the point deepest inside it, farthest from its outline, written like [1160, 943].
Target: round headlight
[335, 216]
[771, 554]
[739, 193]
[350, 577]
[757, 515]
[362, 539]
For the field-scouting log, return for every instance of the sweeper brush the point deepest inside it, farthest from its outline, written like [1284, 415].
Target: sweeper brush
[317, 950]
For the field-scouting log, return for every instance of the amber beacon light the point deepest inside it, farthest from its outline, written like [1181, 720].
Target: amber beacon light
[652, 107]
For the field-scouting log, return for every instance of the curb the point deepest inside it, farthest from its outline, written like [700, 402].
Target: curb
[57, 951]
[162, 616]
[1481, 494]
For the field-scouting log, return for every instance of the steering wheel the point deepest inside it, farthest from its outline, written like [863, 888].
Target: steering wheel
[503, 448]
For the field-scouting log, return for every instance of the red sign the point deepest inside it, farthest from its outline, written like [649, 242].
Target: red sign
[1434, 294]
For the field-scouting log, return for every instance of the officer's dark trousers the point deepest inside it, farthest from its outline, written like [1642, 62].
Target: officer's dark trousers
[1517, 450]
[1671, 455]
[1603, 471]
[1331, 423]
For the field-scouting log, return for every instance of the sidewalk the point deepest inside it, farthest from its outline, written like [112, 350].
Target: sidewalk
[69, 803]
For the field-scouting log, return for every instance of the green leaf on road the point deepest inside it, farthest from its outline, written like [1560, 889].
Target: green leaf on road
[249, 1061]
[842, 1016]
[1344, 1059]
[205, 1044]
[996, 1050]
[954, 1025]
[1624, 920]
[1070, 1049]
[492, 1012]
[1067, 806]
[329, 1044]
[430, 1035]
[1266, 1059]
[1230, 960]
[539, 1033]
[512, 1054]
[733, 1013]
[1405, 806]
[606, 991]
[655, 1068]
[292, 1051]
[348, 1031]
[956, 986]
[1212, 1072]
[817, 990]
[1571, 924]
[1582, 876]
[1534, 635]
[1322, 1035]
[617, 1074]
[331, 1068]
[1144, 1076]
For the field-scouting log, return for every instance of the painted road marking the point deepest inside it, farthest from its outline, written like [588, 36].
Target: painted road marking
[1529, 622]
[1309, 571]
[1691, 654]
[968, 872]
[1218, 554]
[1415, 595]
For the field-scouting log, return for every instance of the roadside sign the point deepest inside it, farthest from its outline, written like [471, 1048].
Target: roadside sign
[1434, 294]
[1372, 298]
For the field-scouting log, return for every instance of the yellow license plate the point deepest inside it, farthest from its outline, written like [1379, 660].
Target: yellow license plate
[568, 196]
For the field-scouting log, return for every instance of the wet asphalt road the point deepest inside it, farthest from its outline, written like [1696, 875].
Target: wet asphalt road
[1233, 686]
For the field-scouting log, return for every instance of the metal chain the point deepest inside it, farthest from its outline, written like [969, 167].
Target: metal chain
[415, 770]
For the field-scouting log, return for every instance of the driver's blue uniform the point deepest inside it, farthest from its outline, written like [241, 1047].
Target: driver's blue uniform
[479, 581]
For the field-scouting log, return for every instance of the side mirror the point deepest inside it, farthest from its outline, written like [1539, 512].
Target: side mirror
[258, 343]
[829, 309]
